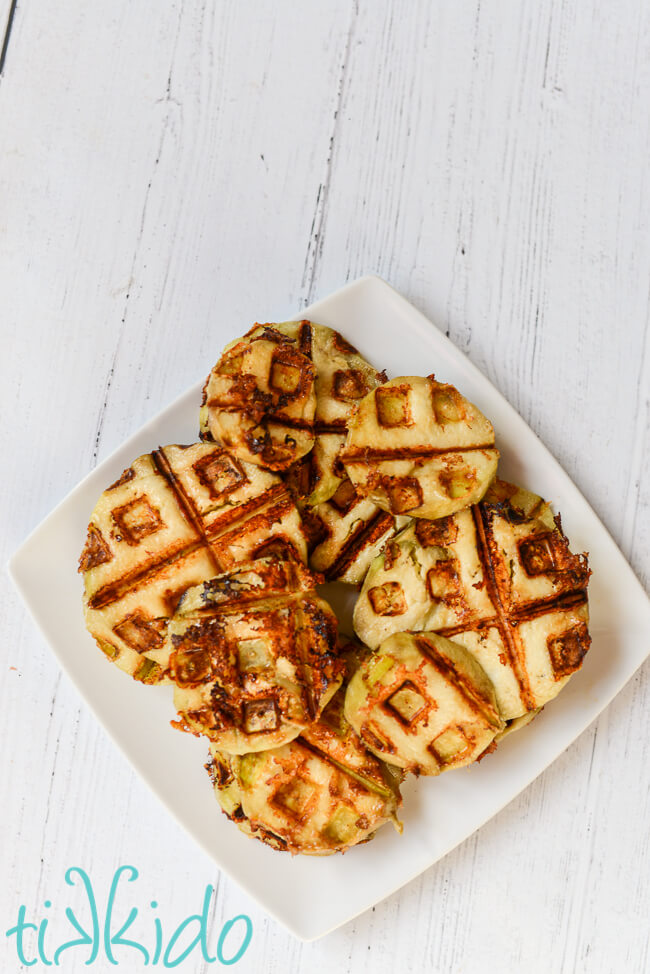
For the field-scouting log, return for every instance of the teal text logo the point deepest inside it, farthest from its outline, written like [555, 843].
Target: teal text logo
[106, 933]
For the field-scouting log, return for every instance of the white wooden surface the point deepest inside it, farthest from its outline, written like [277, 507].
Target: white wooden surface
[172, 171]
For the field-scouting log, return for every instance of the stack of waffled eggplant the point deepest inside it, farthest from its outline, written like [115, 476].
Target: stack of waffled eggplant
[201, 565]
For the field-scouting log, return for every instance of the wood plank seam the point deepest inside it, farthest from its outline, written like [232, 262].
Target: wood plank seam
[7, 35]
[317, 231]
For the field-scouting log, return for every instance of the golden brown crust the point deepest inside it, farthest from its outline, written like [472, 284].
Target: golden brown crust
[253, 653]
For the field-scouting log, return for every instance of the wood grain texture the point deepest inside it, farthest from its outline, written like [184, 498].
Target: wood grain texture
[170, 173]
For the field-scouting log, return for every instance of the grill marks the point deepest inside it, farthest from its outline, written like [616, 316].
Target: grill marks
[369, 456]
[271, 418]
[306, 347]
[370, 782]
[187, 507]
[368, 535]
[312, 684]
[275, 504]
[560, 602]
[265, 508]
[305, 339]
[508, 618]
[336, 426]
[477, 626]
[131, 581]
[345, 533]
[454, 676]
[511, 642]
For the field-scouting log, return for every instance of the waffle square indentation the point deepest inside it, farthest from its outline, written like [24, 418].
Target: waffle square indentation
[388, 599]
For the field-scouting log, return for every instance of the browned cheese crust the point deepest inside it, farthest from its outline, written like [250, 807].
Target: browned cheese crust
[253, 655]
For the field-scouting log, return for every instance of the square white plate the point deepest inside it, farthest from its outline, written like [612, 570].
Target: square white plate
[313, 896]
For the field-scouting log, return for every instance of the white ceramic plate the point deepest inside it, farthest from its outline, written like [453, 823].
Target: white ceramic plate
[313, 896]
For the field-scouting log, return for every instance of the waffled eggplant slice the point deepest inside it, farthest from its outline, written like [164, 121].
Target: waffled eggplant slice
[341, 377]
[253, 655]
[321, 793]
[260, 402]
[174, 518]
[423, 703]
[417, 447]
[500, 580]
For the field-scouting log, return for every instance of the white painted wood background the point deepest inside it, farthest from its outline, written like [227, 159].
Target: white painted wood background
[172, 171]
